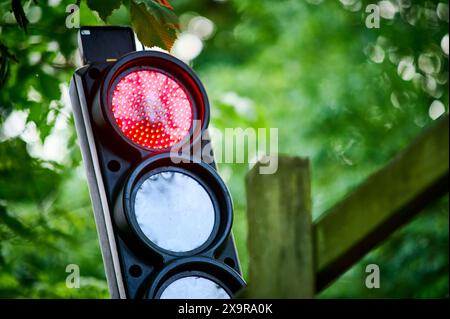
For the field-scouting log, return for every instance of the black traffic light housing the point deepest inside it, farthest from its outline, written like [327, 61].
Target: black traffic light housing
[117, 166]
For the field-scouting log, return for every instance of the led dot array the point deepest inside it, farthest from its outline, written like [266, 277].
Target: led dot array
[152, 109]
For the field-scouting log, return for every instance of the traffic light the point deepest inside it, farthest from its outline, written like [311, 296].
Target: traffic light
[163, 218]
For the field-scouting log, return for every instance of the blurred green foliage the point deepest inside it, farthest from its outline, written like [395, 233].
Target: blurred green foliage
[346, 96]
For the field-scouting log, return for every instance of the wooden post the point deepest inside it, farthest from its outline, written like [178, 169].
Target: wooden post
[280, 231]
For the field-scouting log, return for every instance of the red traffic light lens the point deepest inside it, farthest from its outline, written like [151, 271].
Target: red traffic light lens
[152, 109]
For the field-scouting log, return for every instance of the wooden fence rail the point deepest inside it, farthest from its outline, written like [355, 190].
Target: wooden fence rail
[293, 257]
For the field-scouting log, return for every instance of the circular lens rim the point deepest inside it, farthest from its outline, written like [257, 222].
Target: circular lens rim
[228, 278]
[202, 173]
[175, 69]
[206, 188]
[186, 274]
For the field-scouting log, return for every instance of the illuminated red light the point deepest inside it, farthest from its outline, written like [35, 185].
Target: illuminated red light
[152, 109]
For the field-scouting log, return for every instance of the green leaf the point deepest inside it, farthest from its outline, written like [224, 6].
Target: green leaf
[104, 7]
[154, 24]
